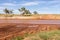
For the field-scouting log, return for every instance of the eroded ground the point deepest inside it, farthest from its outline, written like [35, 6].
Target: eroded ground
[13, 30]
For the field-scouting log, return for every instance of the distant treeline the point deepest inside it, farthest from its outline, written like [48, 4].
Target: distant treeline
[23, 12]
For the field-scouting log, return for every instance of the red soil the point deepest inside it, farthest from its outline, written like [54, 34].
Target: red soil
[12, 30]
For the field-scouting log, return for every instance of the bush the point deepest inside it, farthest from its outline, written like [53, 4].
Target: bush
[18, 38]
[51, 35]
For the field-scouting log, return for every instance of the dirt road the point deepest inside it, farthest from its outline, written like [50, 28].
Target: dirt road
[31, 21]
[10, 28]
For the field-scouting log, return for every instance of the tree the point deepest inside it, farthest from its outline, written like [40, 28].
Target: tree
[11, 11]
[24, 11]
[35, 12]
[6, 11]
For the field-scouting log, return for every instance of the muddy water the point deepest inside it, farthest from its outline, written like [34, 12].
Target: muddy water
[32, 21]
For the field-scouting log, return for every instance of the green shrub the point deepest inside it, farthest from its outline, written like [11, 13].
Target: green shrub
[18, 38]
[50, 35]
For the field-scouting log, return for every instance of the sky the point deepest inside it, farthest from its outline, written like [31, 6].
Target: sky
[41, 6]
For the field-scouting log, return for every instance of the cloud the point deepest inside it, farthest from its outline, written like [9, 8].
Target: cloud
[54, 4]
[2, 8]
[49, 3]
[46, 6]
[30, 3]
[8, 4]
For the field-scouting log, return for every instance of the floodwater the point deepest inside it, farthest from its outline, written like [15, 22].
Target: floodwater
[32, 21]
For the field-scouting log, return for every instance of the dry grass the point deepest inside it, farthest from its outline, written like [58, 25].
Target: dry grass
[41, 16]
[50, 35]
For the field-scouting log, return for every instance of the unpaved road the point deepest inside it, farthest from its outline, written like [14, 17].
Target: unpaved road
[16, 21]
[31, 21]
[10, 27]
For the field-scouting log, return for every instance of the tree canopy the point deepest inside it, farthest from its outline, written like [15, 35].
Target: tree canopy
[25, 11]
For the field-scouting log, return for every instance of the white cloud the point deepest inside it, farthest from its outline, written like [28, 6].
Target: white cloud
[54, 4]
[2, 8]
[8, 4]
[30, 3]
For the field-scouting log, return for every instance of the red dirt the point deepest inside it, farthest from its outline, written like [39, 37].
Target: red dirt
[12, 30]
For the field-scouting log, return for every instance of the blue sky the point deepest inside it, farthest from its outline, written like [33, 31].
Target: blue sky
[41, 6]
